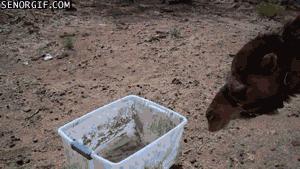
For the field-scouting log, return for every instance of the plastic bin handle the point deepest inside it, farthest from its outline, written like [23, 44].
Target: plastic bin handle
[81, 149]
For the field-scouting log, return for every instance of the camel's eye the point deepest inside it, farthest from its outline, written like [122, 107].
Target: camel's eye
[239, 94]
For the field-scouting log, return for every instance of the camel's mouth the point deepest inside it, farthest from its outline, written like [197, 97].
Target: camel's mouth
[215, 128]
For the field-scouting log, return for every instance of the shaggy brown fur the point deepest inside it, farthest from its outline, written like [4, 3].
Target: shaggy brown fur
[264, 74]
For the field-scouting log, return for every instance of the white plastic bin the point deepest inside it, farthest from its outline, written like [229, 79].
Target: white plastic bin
[130, 133]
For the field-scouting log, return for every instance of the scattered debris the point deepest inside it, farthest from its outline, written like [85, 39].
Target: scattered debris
[31, 116]
[176, 81]
[47, 57]
[26, 63]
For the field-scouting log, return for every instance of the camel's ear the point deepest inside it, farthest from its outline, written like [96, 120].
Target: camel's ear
[269, 62]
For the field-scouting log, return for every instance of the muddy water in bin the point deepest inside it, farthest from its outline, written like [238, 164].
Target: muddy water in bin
[134, 136]
[125, 144]
[124, 147]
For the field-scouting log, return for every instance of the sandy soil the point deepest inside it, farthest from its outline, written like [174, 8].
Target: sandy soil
[178, 58]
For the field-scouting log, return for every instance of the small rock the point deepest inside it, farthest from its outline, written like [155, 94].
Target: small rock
[35, 140]
[176, 81]
[12, 145]
[187, 152]
[152, 38]
[62, 93]
[13, 138]
[26, 109]
[196, 82]
[20, 162]
[47, 57]
[85, 34]
[27, 161]
[293, 115]
[193, 161]
[26, 63]
[33, 29]
[279, 166]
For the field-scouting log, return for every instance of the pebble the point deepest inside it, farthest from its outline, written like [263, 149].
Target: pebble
[35, 140]
[187, 152]
[26, 109]
[26, 63]
[20, 162]
[193, 161]
[12, 145]
[176, 81]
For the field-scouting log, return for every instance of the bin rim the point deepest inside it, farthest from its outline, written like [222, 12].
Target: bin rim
[94, 154]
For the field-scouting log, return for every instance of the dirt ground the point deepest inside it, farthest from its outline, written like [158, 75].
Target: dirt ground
[176, 55]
